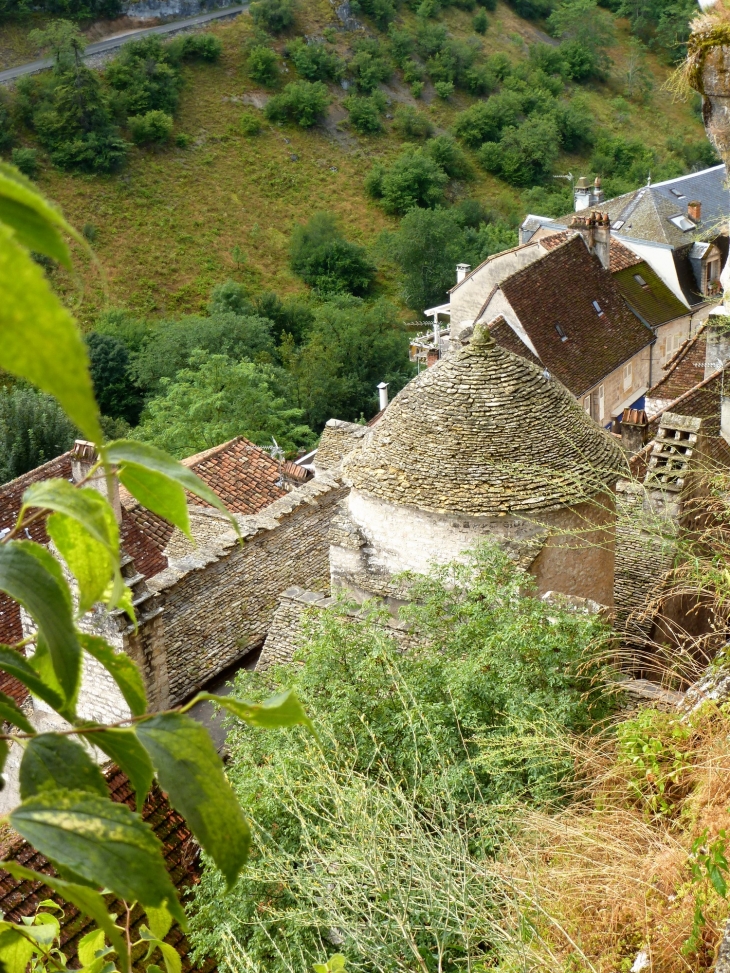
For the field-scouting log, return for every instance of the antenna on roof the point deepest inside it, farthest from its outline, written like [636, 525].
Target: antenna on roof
[546, 375]
[276, 452]
[648, 182]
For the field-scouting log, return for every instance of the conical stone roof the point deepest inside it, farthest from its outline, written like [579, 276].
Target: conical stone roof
[484, 432]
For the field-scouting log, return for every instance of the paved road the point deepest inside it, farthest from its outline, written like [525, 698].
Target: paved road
[111, 43]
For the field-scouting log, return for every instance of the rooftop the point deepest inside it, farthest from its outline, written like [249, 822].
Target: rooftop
[647, 295]
[621, 256]
[575, 316]
[684, 370]
[484, 432]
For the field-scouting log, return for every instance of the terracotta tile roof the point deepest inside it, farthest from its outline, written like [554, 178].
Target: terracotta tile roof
[144, 537]
[621, 256]
[651, 300]
[20, 897]
[505, 336]
[243, 475]
[685, 370]
[558, 291]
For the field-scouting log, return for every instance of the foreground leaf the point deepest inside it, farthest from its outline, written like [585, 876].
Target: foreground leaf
[123, 747]
[85, 505]
[36, 223]
[87, 900]
[191, 772]
[100, 841]
[40, 341]
[122, 670]
[10, 712]
[27, 576]
[89, 561]
[12, 662]
[51, 762]
[281, 710]
[16, 950]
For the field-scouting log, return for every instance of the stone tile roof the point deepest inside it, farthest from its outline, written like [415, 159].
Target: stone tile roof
[685, 369]
[652, 301]
[559, 291]
[621, 256]
[484, 432]
[243, 475]
[21, 897]
[338, 439]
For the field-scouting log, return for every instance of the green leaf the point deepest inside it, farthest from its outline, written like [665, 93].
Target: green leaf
[281, 710]
[12, 662]
[142, 456]
[160, 921]
[123, 747]
[54, 762]
[86, 505]
[158, 494]
[10, 712]
[87, 900]
[45, 929]
[170, 955]
[191, 773]
[4, 751]
[40, 340]
[718, 881]
[36, 224]
[89, 945]
[122, 670]
[28, 577]
[16, 950]
[89, 561]
[100, 841]
[336, 962]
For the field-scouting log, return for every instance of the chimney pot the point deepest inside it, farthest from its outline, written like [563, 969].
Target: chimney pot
[461, 271]
[432, 356]
[383, 392]
[634, 430]
[694, 211]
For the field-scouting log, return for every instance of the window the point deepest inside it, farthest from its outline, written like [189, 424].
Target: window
[676, 192]
[674, 342]
[682, 223]
[563, 336]
[587, 404]
[713, 270]
[618, 224]
[601, 403]
[597, 309]
[641, 282]
[628, 375]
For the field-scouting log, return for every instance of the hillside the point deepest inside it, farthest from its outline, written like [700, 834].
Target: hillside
[166, 225]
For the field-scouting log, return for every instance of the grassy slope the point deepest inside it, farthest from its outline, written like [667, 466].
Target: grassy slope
[168, 223]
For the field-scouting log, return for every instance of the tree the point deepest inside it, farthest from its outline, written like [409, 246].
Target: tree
[33, 430]
[66, 813]
[215, 399]
[273, 15]
[63, 39]
[321, 256]
[145, 78]
[303, 102]
[523, 155]
[414, 179]
[116, 393]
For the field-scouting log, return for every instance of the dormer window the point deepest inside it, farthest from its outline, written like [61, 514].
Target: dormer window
[641, 282]
[676, 192]
[561, 334]
[597, 309]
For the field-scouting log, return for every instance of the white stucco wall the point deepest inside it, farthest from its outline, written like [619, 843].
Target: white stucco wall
[468, 297]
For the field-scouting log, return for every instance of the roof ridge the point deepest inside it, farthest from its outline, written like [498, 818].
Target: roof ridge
[190, 461]
[18, 479]
[684, 395]
[683, 349]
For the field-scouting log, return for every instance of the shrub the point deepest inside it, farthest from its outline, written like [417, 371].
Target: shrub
[262, 65]
[6, 125]
[249, 123]
[523, 155]
[365, 112]
[480, 22]
[532, 9]
[484, 121]
[144, 78]
[183, 140]
[575, 121]
[449, 156]
[90, 232]
[382, 12]
[321, 256]
[314, 62]
[417, 88]
[304, 102]
[94, 152]
[402, 44]
[414, 179]
[152, 127]
[369, 67]
[33, 429]
[26, 160]
[201, 47]
[444, 89]
[273, 15]
[410, 123]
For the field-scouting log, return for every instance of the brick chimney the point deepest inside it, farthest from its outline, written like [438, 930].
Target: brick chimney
[432, 356]
[634, 430]
[596, 231]
[83, 458]
[694, 211]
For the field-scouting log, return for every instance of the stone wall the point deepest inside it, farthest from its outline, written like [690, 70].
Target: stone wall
[337, 440]
[170, 9]
[218, 596]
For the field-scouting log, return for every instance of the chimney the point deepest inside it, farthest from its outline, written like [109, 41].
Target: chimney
[597, 197]
[725, 418]
[383, 393]
[582, 195]
[634, 430]
[694, 211]
[717, 349]
[432, 356]
[461, 271]
[596, 231]
[83, 459]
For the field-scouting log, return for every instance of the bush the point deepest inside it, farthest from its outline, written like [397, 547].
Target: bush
[575, 121]
[480, 22]
[249, 123]
[183, 140]
[417, 88]
[410, 123]
[304, 102]
[26, 160]
[485, 121]
[414, 179]
[262, 65]
[315, 62]
[154, 127]
[6, 125]
[273, 15]
[364, 113]
[444, 89]
[117, 395]
[449, 156]
[201, 47]
[145, 77]
[581, 63]
[370, 67]
[532, 9]
[95, 152]
[523, 155]
[33, 430]
[382, 12]
[321, 256]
